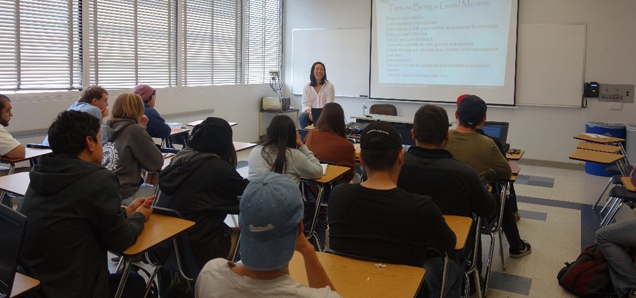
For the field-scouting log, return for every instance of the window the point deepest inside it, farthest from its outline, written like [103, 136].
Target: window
[39, 45]
[132, 42]
[263, 39]
[212, 42]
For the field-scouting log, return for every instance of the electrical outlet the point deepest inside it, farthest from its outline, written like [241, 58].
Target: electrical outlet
[616, 93]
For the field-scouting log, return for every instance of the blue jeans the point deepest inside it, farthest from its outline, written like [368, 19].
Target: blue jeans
[433, 278]
[613, 239]
[303, 120]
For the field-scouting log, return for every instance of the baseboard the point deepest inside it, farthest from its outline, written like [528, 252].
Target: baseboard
[553, 164]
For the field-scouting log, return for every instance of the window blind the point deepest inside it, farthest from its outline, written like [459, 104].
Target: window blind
[263, 39]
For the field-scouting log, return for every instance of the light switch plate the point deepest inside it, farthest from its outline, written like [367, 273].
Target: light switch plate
[616, 93]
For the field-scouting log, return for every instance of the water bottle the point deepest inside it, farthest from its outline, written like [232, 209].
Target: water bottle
[365, 109]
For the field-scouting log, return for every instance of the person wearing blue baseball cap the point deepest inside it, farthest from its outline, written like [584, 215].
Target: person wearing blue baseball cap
[271, 214]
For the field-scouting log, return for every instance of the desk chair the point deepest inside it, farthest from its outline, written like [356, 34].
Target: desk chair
[494, 228]
[618, 196]
[614, 180]
[12, 225]
[472, 262]
[313, 192]
[383, 109]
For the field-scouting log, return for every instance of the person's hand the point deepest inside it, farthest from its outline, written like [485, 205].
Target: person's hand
[311, 116]
[139, 202]
[299, 141]
[143, 121]
[104, 112]
[303, 245]
[145, 210]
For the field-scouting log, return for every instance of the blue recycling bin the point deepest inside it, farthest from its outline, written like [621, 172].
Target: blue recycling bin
[616, 130]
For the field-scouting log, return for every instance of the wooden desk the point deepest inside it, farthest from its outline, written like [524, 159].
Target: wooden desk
[30, 153]
[195, 123]
[515, 156]
[628, 184]
[598, 147]
[595, 156]
[166, 162]
[157, 230]
[240, 146]
[357, 147]
[23, 285]
[15, 183]
[358, 278]
[178, 131]
[333, 172]
[599, 140]
[461, 227]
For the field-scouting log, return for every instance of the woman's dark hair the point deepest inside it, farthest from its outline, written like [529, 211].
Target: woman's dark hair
[281, 134]
[332, 118]
[311, 74]
[214, 135]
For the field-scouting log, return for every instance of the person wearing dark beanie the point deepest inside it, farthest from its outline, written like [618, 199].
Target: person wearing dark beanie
[157, 127]
[202, 184]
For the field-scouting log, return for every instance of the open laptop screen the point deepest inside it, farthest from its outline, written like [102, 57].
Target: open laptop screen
[12, 225]
[497, 130]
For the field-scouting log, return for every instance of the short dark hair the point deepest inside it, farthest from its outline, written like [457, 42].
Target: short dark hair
[91, 92]
[2, 96]
[430, 124]
[311, 74]
[380, 161]
[69, 130]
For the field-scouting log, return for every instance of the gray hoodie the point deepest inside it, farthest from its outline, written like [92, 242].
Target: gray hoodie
[127, 149]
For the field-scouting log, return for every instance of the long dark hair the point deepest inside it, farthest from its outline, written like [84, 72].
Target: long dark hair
[332, 118]
[311, 74]
[214, 135]
[281, 134]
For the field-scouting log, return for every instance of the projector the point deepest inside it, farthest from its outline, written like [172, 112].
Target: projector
[271, 104]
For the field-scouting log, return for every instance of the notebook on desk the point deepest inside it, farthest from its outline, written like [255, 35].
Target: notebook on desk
[12, 225]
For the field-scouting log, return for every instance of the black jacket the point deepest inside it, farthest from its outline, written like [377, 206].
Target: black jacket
[204, 189]
[74, 216]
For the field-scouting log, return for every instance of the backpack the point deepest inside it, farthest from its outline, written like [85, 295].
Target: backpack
[588, 276]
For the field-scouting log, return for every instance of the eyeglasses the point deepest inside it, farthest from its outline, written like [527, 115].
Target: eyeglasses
[154, 93]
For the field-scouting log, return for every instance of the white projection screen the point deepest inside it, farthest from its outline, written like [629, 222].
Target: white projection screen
[432, 50]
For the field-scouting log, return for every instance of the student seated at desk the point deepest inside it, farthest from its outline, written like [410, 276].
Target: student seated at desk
[279, 154]
[156, 127]
[328, 140]
[202, 184]
[75, 215]
[93, 100]
[482, 154]
[378, 220]
[127, 146]
[9, 147]
[271, 229]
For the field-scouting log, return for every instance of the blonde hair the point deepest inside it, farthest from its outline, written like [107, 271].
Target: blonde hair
[128, 106]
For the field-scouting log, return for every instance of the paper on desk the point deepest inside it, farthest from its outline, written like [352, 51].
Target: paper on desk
[324, 168]
[593, 135]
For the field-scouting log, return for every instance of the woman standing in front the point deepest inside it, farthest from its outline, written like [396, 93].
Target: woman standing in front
[316, 94]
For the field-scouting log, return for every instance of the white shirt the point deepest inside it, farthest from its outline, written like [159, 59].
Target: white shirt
[218, 280]
[311, 99]
[7, 142]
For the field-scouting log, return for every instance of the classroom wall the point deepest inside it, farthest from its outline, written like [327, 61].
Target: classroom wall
[544, 132]
[34, 112]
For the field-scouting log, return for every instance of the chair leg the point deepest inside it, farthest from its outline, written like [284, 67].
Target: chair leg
[602, 193]
[491, 252]
[442, 290]
[609, 202]
[501, 250]
[610, 215]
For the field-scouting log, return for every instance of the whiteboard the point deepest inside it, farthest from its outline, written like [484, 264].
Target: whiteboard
[344, 52]
[551, 64]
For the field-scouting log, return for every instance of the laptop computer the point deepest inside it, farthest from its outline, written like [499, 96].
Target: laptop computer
[315, 113]
[12, 225]
[497, 130]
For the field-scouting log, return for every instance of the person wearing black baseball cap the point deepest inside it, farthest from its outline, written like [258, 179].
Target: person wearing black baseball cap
[375, 219]
[483, 155]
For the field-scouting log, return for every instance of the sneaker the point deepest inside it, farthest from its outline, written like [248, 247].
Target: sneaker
[518, 253]
[631, 294]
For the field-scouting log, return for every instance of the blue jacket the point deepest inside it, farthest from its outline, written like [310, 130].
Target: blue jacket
[157, 127]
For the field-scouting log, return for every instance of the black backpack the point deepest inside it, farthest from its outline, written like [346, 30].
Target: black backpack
[588, 276]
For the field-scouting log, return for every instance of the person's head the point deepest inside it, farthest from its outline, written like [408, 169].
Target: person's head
[271, 210]
[380, 147]
[430, 125]
[5, 110]
[95, 95]
[471, 111]
[332, 118]
[147, 94]
[318, 74]
[281, 134]
[74, 133]
[128, 106]
[214, 135]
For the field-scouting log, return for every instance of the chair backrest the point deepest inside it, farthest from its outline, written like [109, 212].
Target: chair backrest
[177, 255]
[383, 109]
[12, 227]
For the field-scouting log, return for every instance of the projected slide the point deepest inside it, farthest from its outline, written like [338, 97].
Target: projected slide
[436, 50]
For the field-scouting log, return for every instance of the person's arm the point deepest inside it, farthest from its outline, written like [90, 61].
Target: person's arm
[157, 127]
[229, 185]
[316, 275]
[499, 163]
[331, 92]
[146, 152]
[482, 202]
[17, 152]
[307, 99]
[307, 165]
[444, 238]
